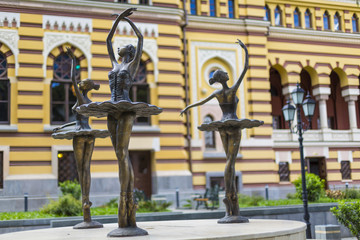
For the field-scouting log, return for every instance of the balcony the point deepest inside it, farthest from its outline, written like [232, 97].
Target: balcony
[323, 135]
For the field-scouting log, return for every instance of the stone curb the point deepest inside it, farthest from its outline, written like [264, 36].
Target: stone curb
[163, 216]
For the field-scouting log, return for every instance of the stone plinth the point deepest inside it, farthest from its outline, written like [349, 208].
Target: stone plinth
[176, 230]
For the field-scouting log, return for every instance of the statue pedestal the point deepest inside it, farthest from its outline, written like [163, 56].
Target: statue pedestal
[176, 230]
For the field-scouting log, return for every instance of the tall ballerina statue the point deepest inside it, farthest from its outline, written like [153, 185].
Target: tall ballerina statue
[121, 113]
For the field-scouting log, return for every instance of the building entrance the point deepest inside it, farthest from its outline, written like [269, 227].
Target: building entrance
[141, 162]
[318, 167]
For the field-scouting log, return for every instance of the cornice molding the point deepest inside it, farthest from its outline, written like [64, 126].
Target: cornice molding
[96, 8]
[313, 35]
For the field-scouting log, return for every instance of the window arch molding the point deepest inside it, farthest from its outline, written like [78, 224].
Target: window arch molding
[267, 16]
[337, 22]
[278, 18]
[297, 18]
[308, 21]
[62, 98]
[52, 40]
[326, 20]
[355, 23]
[10, 39]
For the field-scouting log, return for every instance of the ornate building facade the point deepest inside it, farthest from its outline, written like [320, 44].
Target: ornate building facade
[315, 44]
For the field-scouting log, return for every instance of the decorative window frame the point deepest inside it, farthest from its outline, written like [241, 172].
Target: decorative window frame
[200, 52]
[81, 41]
[10, 38]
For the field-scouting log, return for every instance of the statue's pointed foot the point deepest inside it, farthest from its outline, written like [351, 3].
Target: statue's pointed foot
[127, 232]
[84, 225]
[233, 219]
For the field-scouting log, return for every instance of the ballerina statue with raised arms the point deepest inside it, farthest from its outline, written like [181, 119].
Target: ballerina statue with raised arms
[121, 113]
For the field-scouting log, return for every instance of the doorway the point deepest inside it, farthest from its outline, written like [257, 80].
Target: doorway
[141, 162]
[318, 167]
[67, 166]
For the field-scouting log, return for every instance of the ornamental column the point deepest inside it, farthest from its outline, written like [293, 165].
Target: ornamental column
[351, 95]
[321, 95]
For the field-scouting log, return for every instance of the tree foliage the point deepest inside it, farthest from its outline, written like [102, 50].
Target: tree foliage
[348, 214]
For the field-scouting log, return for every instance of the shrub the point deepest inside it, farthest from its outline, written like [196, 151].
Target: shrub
[335, 194]
[112, 203]
[314, 185]
[67, 205]
[143, 205]
[71, 187]
[291, 196]
[188, 204]
[153, 206]
[352, 193]
[348, 214]
[246, 200]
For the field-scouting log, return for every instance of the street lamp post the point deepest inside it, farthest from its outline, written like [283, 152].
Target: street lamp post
[308, 106]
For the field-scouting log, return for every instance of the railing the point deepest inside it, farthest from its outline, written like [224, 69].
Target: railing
[325, 135]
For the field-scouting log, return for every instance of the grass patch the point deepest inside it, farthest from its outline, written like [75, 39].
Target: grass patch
[24, 215]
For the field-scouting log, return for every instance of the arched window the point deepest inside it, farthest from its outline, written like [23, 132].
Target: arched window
[297, 18]
[305, 83]
[267, 13]
[326, 20]
[212, 8]
[62, 92]
[122, 1]
[209, 136]
[140, 92]
[337, 108]
[337, 22]
[355, 23]
[144, 2]
[193, 7]
[4, 91]
[278, 18]
[231, 8]
[277, 100]
[308, 22]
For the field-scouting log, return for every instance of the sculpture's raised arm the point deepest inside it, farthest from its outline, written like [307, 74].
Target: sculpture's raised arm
[201, 102]
[79, 96]
[134, 64]
[64, 126]
[124, 14]
[246, 66]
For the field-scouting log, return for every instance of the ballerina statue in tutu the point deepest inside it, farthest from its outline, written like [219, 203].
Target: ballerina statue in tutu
[230, 131]
[83, 142]
[121, 113]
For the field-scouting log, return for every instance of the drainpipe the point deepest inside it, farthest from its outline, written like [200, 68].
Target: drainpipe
[187, 102]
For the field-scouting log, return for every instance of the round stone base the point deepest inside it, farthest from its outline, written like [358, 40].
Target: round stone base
[127, 232]
[84, 225]
[258, 229]
[233, 219]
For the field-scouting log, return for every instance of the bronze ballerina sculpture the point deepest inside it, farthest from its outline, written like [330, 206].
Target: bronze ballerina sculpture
[83, 142]
[121, 113]
[230, 131]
